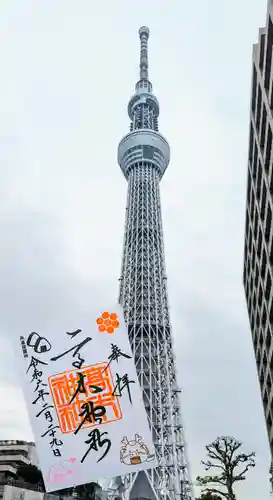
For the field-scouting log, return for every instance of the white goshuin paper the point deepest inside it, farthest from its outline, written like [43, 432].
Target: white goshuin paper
[126, 424]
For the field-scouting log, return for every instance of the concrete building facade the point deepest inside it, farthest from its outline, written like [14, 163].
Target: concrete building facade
[13, 454]
[258, 251]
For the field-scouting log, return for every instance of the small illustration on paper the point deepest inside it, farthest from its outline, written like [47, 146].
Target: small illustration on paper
[135, 452]
[59, 472]
[85, 401]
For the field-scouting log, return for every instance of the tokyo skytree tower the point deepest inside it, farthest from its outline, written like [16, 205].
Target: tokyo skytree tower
[143, 155]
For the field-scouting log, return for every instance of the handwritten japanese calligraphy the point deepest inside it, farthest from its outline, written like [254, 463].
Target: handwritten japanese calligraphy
[41, 391]
[121, 384]
[76, 348]
[115, 354]
[84, 401]
[39, 344]
[95, 443]
[68, 399]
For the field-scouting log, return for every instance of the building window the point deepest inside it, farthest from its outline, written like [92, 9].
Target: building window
[268, 339]
[259, 180]
[258, 320]
[261, 55]
[271, 362]
[268, 383]
[248, 187]
[252, 321]
[247, 222]
[259, 104]
[259, 246]
[271, 254]
[250, 239]
[262, 377]
[249, 304]
[255, 340]
[246, 247]
[248, 266]
[260, 296]
[271, 313]
[254, 89]
[255, 225]
[245, 279]
[258, 358]
[255, 161]
[263, 128]
[252, 205]
[263, 202]
[268, 149]
[268, 56]
[251, 143]
[261, 340]
[268, 223]
[271, 181]
[264, 316]
[254, 301]
[264, 360]
[268, 286]
[263, 265]
[256, 277]
[251, 285]
[265, 399]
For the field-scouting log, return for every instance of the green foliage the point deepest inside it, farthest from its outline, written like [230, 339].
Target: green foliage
[31, 474]
[88, 491]
[231, 465]
[209, 496]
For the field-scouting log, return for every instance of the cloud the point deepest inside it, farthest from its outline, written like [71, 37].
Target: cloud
[14, 418]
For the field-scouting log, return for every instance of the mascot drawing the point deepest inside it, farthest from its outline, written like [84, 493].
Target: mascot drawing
[59, 472]
[134, 452]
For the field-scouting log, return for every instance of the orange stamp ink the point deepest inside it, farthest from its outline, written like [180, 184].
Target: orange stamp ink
[68, 401]
[108, 322]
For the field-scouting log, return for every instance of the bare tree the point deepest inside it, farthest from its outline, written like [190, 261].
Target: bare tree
[232, 466]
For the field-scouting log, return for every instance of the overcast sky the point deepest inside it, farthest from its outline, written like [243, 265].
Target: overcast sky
[68, 69]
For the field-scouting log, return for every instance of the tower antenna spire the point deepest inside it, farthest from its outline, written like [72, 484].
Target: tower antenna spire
[144, 155]
[143, 65]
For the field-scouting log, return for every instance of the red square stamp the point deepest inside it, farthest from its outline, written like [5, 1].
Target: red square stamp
[68, 400]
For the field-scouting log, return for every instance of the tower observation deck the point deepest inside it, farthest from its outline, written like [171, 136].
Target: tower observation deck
[144, 155]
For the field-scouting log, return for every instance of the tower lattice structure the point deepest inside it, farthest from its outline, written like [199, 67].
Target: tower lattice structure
[143, 155]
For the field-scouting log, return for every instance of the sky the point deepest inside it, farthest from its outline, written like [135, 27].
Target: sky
[68, 70]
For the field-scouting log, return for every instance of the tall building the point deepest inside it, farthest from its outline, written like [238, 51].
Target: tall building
[258, 253]
[14, 454]
[144, 155]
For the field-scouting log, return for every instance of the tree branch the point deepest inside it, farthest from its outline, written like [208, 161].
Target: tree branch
[209, 465]
[217, 492]
[212, 452]
[241, 477]
[210, 479]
